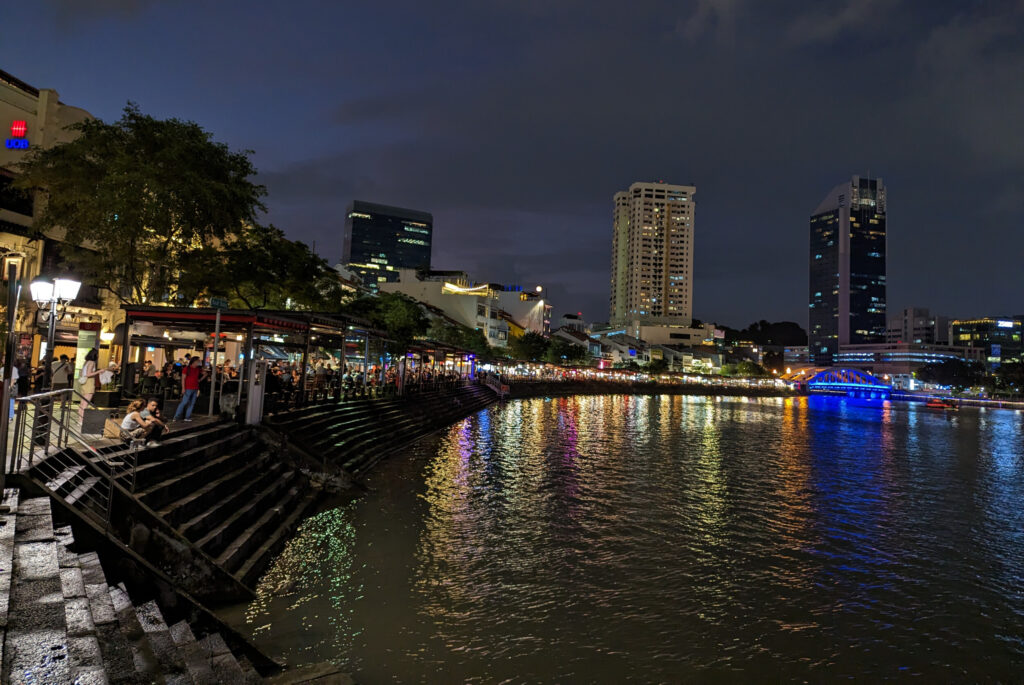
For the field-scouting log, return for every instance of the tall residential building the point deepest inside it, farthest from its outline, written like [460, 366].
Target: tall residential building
[652, 255]
[847, 269]
[379, 240]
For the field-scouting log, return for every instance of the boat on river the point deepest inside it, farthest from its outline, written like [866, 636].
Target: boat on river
[939, 403]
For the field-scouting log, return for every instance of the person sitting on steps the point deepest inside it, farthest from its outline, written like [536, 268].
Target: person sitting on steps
[152, 412]
[136, 428]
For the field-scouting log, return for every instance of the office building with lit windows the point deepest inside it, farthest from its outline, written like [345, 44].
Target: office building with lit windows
[847, 304]
[997, 338]
[379, 240]
[652, 256]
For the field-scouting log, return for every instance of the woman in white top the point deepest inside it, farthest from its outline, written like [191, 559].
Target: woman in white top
[87, 382]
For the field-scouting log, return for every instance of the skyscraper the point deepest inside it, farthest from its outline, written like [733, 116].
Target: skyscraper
[652, 255]
[847, 269]
[379, 240]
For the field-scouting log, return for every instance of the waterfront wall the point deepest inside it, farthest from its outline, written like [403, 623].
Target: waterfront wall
[566, 389]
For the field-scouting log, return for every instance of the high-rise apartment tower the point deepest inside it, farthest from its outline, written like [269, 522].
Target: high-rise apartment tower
[652, 255]
[847, 269]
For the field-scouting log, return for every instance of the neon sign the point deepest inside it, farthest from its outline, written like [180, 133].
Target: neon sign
[18, 141]
[1005, 324]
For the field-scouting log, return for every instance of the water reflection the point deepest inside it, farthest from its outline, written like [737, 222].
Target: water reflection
[618, 539]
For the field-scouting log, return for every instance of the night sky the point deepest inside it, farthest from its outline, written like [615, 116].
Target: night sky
[515, 121]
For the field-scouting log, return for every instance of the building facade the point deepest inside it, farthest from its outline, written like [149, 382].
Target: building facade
[35, 118]
[918, 326]
[847, 288]
[500, 311]
[652, 255]
[997, 340]
[379, 240]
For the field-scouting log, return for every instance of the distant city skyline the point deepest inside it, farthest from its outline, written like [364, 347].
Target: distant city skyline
[490, 119]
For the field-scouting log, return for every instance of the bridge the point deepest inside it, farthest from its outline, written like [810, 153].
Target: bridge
[852, 382]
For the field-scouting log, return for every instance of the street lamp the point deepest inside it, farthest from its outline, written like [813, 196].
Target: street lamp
[52, 296]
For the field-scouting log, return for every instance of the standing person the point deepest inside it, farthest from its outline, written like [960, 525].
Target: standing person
[24, 377]
[190, 379]
[14, 386]
[61, 373]
[87, 381]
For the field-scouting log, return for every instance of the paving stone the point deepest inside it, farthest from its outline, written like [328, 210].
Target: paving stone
[117, 657]
[89, 675]
[36, 605]
[78, 617]
[35, 560]
[35, 506]
[92, 571]
[71, 582]
[36, 656]
[100, 606]
[198, 665]
[226, 669]
[84, 652]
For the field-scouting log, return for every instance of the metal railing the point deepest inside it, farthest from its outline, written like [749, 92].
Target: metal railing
[45, 426]
[496, 385]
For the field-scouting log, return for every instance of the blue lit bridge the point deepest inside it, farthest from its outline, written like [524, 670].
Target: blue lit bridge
[851, 382]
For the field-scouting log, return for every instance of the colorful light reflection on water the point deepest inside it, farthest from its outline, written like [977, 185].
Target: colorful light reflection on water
[616, 539]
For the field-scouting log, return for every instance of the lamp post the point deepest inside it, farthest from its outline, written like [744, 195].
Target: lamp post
[52, 295]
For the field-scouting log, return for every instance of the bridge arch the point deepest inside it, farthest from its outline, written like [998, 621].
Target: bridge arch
[852, 382]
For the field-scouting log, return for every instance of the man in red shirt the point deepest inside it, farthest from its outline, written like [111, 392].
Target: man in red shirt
[190, 378]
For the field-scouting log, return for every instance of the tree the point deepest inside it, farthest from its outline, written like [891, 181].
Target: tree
[141, 202]
[398, 315]
[472, 339]
[530, 346]
[657, 366]
[956, 373]
[259, 268]
[563, 352]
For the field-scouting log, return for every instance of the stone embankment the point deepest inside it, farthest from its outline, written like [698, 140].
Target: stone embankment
[351, 436]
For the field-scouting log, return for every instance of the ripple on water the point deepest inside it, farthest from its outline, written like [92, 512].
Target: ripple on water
[617, 539]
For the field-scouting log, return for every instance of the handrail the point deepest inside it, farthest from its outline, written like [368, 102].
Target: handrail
[50, 426]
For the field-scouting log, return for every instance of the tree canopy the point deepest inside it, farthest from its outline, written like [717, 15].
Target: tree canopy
[258, 268]
[141, 202]
[396, 314]
[472, 339]
[530, 346]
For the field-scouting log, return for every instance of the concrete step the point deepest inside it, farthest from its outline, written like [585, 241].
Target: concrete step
[86, 658]
[228, 531]
[172, 661]
[115, 651]
[144, 656]
[203, 471]
[176, 463]
[238, 488]
[7, 527]
[35, 640]
[245, 543]
[65, 478]
[199, 667]
[259, 560]
[223, 663]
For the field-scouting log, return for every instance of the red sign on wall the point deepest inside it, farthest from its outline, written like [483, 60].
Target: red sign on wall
[18, 129]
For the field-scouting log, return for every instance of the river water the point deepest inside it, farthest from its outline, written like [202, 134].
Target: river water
[671, 539]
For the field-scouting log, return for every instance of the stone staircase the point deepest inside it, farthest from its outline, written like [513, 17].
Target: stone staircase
[62, 622]
[217, 485]
[355, 434]
[228, 493]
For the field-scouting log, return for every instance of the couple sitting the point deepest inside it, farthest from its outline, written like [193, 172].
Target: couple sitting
[143, 424]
